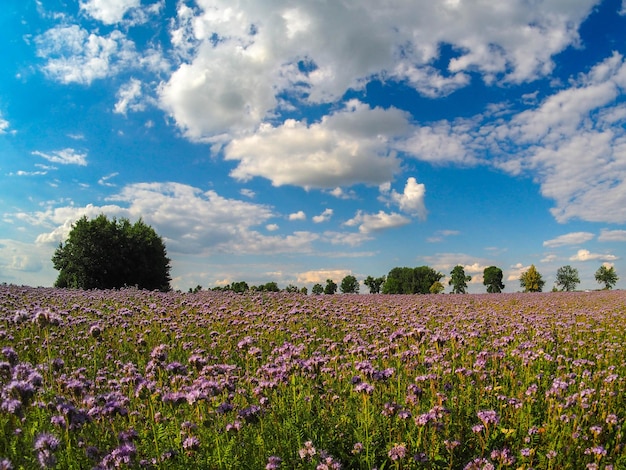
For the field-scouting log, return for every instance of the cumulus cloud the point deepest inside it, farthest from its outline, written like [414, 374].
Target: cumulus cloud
[239, 58]
[4, 125]
[108, 11]
[347, 147]
[368, 223]
[574, 238]
[411, 200]
[320, 276]
[586, 255]
[323, 217]
[66, 156]
[440, 235]
[189, 220]
[129, 97]
[300, 215]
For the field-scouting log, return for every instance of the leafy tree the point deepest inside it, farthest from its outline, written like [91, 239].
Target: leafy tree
[291, 288]
[607, 276]
[239, 287]
[331, 287]
[271, 287]
[567, 278]
[411, 280]
[374, 283]
[109, 254]
[437, 288]
[492, 278]
[458, 280]
[531, 280]
[317, 289]
[349, 285]
[304, 291]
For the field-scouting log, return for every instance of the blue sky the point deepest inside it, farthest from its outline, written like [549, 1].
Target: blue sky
[300, 141]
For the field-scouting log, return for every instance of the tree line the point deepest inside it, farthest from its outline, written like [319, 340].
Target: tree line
[111, 254]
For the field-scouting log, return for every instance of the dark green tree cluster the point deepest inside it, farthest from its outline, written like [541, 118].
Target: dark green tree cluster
[110, 254]
[411, 280]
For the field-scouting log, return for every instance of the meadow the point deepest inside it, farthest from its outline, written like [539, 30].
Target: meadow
[216, 380]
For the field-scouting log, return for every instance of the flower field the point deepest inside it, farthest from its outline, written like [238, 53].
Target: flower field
[135, 379]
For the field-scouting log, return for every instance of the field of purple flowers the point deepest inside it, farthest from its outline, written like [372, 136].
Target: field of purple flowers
[132, 379]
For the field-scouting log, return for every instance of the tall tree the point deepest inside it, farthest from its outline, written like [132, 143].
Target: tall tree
[374, 283]
[606, 275]
[531, 280]
[331, 287]
[567, 278]
[492, 278]
[109, 254]
[317, 289]
[349, 285]
[411, 280]
[458, 280]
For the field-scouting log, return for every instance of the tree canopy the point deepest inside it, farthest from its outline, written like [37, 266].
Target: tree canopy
[492, 278]
[531, 280]
[607, 276]
[110, 254]
[374, 283]
[349, 285]
[331, 287]
[411, 280]
[567, 278]
[458, 280]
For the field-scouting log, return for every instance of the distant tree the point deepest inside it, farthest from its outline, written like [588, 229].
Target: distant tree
[411, 280]
[374, 283]
[607, 276]
[331, 287]
[437, 288]
[317, 289]
[304, 291]
[196, 289]
[531, 280]
[240, 287]
[271, 287]
[349, 285]
[458, 280]
[567, 278]
[291, 288]
[109, 254]
[492, 278]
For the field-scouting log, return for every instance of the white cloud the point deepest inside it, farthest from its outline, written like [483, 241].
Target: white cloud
[272, 227]
[323, 217]
[320, 276]
[586, 255]
[300, 215]
[4, 125]
[66, 156]
[516, 271]
[347, 147]
[104, 181]
[129, 97]
[411, 201]
[250, 194]
[108, 11]
[574, 238]
[368, 223]
[76, 56]
[612, 236]
[240, 57]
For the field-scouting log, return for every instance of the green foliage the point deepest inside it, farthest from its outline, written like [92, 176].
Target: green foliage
[109, 254]
[317, 289]
[239, 287]
[349, 285]
[607, 276]
[458, 280]
[291, 288]
[567, 278]
[492, 278]
[331, 287]
[411, 280]
[374, 283]
[531, 280]
[437, 288]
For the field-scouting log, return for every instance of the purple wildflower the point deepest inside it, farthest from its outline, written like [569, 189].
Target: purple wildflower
[191, 443]
[5, 464]
[273, 462]
[397, 452]
[488, 417]
[308, 451]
